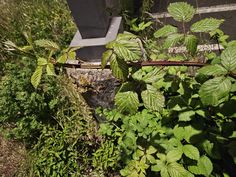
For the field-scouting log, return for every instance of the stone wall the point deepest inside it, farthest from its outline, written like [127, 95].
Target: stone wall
[96, 85]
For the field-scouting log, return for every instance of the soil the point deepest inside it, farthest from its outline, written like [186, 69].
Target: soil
[12, 158]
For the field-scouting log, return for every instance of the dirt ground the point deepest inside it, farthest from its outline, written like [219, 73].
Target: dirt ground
[12, 158]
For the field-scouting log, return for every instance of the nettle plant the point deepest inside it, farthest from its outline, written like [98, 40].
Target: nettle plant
[47, 54]
[168, 120]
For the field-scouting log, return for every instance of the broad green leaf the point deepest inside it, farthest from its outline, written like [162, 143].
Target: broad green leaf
[228, 58]
[206, 25]
[176, 170]
[128, 50]
[172, 40]
[191, 152]
[213, 70]
[186, 116]
[47, 44]
[165, 31]
[191, 132]
[127, 102]
[191, 43]
[179, 132]
[50, 69]
[164, 172]
[126, 36]
[214, 89]
[36, 77]
[151, 158]
[203, 167]
[181, 11]
[159, 165]
[153, 99]
[71, 55]
[119, 68]
[151, 150]
[42, 61]
[174, 155]
[63, 58]
[106, 56]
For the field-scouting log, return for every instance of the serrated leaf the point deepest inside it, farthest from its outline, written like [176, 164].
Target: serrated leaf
[186, 116]
[228, 58]
[159, 165]
[181, 11]
[106, 56]
[214, 89]
[47, 44]
[172, 40]
[119, 68]
[191, 43]
[42, 61]
[191, 152]
[128, 50]
[151, 159]
[164, 172]
[213, 70]
[206, 25]
[203, 167]
[62, 59]
[151, 150]
[174, 155]
[127, 102]
[165, 31]
[153, 99]
[36, 77]
[179, 132]
[50, 70]
[176, 170]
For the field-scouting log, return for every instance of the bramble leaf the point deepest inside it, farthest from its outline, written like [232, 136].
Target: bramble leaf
[181, 11]
[206, 25]
[165, 31]
[228, 58]
[127, 102]
[213, 70]
[36, 77]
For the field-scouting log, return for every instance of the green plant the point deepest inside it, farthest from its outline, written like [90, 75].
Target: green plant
[172, 120]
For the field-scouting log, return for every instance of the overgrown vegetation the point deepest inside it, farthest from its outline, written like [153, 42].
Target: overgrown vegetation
[168, 121]
[173, 121]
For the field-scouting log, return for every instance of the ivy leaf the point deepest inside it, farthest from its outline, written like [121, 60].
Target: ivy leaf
[213, 70]
[36, 77]
[174, 155]
[191, 152]
[206, 25]
[127, 102]
[176, 170]
[191, 43]
[153, 99]
[106, 56]
[228, 58]
[165, 31]
[50, 70]
[181, 11]
[203, 167]
[214, 89]
[47, 44]
[186, 116]
[172, 40]
[119, 68]
[42, 61]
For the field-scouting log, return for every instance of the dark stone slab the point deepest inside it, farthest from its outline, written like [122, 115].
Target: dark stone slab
[90, 16]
